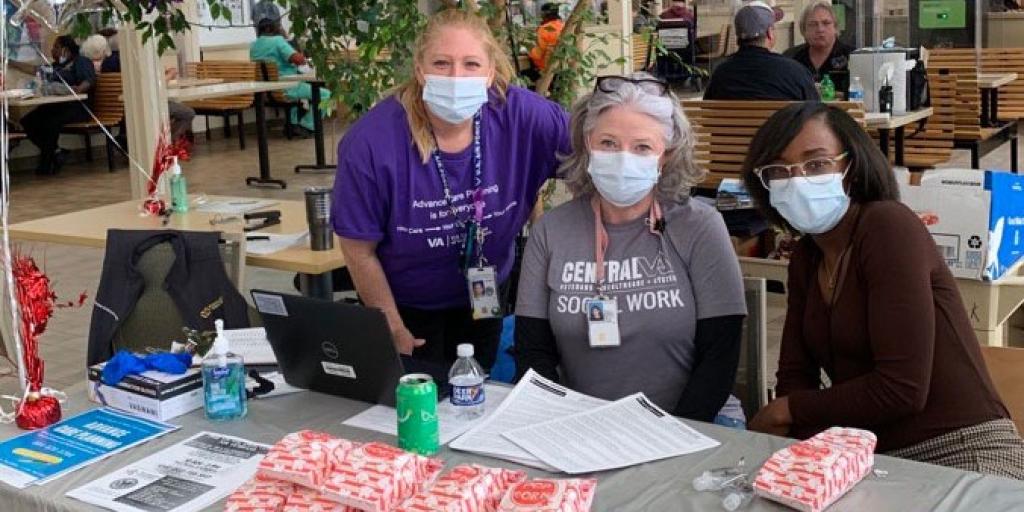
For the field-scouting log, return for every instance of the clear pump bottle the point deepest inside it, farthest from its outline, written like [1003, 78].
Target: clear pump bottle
[223, 381]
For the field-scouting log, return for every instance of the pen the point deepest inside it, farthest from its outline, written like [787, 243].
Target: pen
[251, 238]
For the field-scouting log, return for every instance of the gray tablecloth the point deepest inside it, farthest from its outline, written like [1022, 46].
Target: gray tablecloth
[664, 485]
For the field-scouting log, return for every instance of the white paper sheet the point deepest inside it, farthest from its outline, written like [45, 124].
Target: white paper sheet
[234, 206]
[381, 418]
[534, 400]
[274, 242]
[188, 476]
[629, 431]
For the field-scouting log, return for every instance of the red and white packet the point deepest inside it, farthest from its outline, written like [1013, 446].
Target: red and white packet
[376, 477]
[259, 495]
[308, 500]
[813, 474]
[466, 488]
[549, 495]
[303, 457]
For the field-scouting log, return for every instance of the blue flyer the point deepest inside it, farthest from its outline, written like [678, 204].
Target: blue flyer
[47, 453]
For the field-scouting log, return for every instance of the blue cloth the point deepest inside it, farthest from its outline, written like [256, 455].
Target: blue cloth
[125, 363]
[504, 369]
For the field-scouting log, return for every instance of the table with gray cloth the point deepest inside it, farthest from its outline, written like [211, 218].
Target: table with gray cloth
[664, 485]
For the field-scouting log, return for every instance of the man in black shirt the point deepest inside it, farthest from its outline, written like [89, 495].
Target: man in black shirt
[755, 72]
[823, 53]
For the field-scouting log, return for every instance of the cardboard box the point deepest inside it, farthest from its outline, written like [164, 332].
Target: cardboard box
[976, 218]
[153, 395]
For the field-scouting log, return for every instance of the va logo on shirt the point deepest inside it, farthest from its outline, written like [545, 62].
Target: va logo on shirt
[647, 284]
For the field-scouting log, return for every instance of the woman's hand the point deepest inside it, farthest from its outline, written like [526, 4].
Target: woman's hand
[405, 341]
[773, 419]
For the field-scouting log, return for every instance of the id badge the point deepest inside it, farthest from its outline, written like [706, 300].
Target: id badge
[483, 292]
[602, 322]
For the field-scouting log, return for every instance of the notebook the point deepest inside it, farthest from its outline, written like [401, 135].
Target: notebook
[249, 343]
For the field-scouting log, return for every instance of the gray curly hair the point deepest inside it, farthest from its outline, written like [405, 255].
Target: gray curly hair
[679, 172]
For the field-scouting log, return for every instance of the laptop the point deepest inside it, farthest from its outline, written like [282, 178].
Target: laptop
[337, 348]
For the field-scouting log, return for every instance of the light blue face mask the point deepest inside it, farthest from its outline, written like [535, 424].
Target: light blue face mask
[621, 177]
[813, 208]
[454, 99]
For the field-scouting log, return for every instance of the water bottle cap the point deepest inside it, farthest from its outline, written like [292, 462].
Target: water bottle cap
[465, 350]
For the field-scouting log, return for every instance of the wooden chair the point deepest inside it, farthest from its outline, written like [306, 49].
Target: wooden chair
[720, 49]
[1004, 366]
[642, 48]
[277, 99]
[724, 130]
[227, 106]
[1011, 95]
[963, 64]
[108, 108]
[933, 144]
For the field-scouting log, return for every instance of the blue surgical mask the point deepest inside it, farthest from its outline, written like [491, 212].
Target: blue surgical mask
[813, 208]
[621, 177]
[455, 99]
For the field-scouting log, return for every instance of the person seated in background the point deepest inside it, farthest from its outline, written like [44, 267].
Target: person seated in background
[72, 74]
[755, 72]
[677, 11]
[548, 32]
[96, 49]
[111, 64]
[872, 303]
[272, 47]
[823, 53]
[665, 313]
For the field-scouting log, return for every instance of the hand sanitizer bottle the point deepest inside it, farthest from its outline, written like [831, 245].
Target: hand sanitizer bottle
[223, 381]
[179, 189]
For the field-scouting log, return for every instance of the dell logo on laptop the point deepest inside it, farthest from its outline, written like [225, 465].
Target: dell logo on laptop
[330, 350]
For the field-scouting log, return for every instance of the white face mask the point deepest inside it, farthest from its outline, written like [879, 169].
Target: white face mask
[812, 208]
[455, 99]
[621, 177]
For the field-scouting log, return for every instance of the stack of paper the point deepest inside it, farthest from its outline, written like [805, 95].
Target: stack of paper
[234, 206]
[269, 243]
[548, 426]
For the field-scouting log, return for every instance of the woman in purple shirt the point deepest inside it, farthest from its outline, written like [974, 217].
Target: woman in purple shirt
[456, 153]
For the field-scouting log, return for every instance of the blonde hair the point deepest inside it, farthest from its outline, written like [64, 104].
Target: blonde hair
[95, 47]
[825, 5]
[410, 94]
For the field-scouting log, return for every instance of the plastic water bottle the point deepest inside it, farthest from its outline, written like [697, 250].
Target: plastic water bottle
[856, 92]
[467, 380]
[828, 89]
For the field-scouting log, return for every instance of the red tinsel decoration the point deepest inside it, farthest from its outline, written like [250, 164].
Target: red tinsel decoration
[164, 157]
[36, 301]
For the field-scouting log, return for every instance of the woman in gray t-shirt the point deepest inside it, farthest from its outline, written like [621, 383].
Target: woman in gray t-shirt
[632, 286]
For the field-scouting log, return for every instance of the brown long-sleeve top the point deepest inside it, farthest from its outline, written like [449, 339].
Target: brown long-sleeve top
[896, 344]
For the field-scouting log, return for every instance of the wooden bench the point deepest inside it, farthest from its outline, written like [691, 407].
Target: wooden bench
[724, 130]
[278, 99]
[964, 65]
[108, 109]
[934, 143]
[226, 106]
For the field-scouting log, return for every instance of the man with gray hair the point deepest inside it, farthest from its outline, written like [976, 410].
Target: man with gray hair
[754, 72]
[823, 53]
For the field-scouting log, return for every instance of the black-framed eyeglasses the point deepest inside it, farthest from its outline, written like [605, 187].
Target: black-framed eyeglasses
[816, 170]
[612, 83]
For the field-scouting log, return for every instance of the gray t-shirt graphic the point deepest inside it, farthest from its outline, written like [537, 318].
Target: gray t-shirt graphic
[663, 285]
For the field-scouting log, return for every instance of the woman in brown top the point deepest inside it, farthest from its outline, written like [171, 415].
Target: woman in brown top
[872, 303]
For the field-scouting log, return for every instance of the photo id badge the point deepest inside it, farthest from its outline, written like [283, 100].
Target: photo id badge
[483, 292]
[602, 322]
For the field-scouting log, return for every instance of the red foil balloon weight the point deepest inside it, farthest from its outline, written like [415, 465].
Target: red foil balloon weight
[36, 302]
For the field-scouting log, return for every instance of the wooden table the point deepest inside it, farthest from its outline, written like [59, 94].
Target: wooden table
[315, 84]
[89, 228]
[989, 303]
[258, 90]
[989, 83]
[885, 123]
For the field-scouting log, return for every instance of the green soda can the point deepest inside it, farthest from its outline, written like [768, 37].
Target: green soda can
[416, 399]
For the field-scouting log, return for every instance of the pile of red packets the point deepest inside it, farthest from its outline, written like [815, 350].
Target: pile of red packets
[812, 474]
[315, 472]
